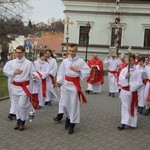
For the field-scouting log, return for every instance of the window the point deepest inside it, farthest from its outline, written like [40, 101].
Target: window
[147, 38]
[83, 35]
[114, 36]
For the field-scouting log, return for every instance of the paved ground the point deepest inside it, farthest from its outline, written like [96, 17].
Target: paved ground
[97, 130]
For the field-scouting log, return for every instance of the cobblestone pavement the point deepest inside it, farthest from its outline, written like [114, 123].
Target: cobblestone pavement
[97, 130]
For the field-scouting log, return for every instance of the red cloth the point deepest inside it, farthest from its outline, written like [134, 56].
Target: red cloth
[76, 82]
[123, 65]
[24, 86]
[115, 73]
[145, 81]
[136, 62]
[53, 80]
[43, 84]
[126, 88]
[34, 101]
[96, 76]
[134, 101]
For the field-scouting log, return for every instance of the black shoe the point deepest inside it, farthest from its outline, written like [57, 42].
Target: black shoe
[109, 94]
[12, 116]
[88, 91]
[140, 110]
[113, 95]
[122, 127]
[71, 128]
[67, 123]
[46, 103]
[41, 107]
[49, 103]
[58, 118]
[17, 125]
[146, 112]
[94, 92]
[132, 127]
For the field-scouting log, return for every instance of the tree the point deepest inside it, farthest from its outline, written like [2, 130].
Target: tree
[12, 8]
[11, 12]
[30, 24]
[57, 26]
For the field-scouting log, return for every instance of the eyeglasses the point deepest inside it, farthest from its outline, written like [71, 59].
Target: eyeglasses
[18, 52]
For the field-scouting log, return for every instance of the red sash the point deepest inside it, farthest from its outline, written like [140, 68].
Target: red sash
[145, 81]
[76, 82]
[34, 100]
[134, 101]
[115, 73]
[24, 86]
[126, 88]
[43, 84]
[53, 80]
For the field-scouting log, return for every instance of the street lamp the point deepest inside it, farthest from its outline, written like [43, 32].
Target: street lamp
[0, 50]
[87, 30]
[35, 46]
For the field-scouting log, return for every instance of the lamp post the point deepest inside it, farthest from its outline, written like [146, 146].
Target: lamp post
[35, 52]
[0, 50]
[87, 30]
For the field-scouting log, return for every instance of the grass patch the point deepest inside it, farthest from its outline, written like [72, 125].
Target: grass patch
[3, 85]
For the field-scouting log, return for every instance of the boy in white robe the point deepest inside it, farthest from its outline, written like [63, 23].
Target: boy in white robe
[147, 91]
[42, 68]
[71, 70]
[20, 74]
[112, 63]
[141, 102]
[7, 68]
[130, 80]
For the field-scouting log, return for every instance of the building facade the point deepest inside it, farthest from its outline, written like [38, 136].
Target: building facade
[134, 25]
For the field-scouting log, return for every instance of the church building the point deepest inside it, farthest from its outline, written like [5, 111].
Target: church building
[92, 25]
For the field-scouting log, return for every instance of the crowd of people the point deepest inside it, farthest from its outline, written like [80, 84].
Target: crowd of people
[31, 85]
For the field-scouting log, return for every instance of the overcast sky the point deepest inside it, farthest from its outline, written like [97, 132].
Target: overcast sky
[44, 10]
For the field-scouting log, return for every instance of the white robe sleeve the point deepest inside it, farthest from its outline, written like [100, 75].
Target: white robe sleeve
[122, 79]
[137, 83]
[106, 61]
[7, 70]
[85, 71]
[61, 73]
[54, 68]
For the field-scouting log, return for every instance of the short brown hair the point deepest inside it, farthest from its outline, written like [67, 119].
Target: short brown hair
[21, 48]
[73, 45]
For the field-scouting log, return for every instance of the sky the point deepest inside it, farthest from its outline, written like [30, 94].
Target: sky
[44, 10]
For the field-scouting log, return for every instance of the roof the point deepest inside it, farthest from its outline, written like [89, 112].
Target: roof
[43, 44]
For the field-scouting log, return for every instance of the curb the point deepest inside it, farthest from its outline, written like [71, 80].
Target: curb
[4, 98]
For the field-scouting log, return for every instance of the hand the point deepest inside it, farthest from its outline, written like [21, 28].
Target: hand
[18, 72]
[33, 76]
[109, 55]
[93, 66]
[75, 68]
[127, 75]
